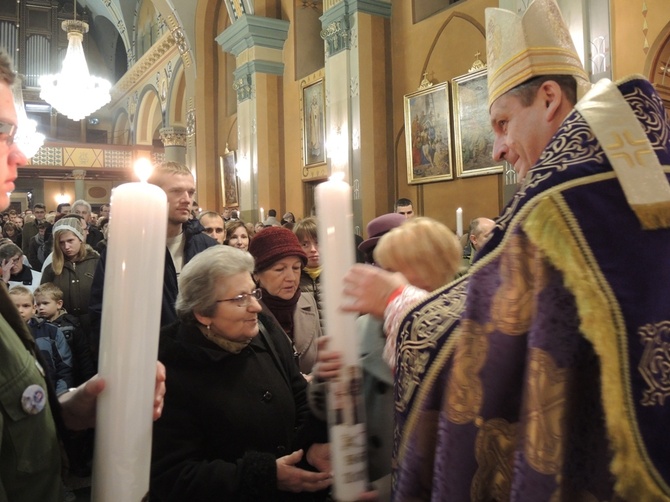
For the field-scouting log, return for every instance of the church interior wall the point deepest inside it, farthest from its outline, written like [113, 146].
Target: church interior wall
[443, 46]
[634, 31]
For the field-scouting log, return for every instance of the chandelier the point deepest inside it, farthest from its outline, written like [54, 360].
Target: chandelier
[74, 92]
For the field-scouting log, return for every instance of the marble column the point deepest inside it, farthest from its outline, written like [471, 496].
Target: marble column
[79, 176]
[174, 141]
[355, 34]
[257, 44]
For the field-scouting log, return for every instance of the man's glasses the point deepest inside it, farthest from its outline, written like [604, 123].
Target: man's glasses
[244, 299]
[9, 130]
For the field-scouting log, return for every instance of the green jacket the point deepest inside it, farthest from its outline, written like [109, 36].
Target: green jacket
[29, 453]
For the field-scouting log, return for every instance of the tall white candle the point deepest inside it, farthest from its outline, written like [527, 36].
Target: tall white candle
[262, 215]
[345, 417]
[459, 222]
[129, 342]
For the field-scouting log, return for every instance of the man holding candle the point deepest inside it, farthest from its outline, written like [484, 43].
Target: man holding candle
[540, 366]
[29, 453]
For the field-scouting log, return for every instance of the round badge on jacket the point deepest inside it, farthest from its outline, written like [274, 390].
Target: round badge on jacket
[33, 399]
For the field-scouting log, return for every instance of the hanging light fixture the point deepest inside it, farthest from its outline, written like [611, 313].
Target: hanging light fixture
[74, 92]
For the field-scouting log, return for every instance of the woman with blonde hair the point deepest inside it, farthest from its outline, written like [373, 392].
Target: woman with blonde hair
[428, 254]
[424, 250]
[72, 267]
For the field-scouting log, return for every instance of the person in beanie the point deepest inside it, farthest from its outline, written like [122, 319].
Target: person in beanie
[279, 262]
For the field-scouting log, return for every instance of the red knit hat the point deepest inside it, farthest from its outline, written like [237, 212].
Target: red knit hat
[273, 244]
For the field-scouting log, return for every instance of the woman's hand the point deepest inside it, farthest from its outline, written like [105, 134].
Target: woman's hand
[318, 456]
[79, 405]
[294, 479]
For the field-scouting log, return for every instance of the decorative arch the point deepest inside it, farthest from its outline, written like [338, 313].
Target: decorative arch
[175, 113]
[149, 116]
[454, 15]
[657, 65]
[121, 133]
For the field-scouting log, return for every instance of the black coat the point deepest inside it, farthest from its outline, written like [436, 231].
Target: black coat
[228, 417]
[196, 241]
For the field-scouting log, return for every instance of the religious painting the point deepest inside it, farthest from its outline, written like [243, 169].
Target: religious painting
[313, 118]
[228, 174]
[427, 134]
[472, 128]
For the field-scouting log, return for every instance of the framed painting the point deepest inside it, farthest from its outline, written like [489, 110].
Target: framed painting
[472, 128]
[428, 134]
[313, 119]
[229, 180]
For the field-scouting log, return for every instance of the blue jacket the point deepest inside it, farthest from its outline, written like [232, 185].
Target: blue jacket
[56, 352]
[196, 241]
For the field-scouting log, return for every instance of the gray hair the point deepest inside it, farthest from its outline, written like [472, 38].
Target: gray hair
[198, 279]
[81, 202]
[9, 250]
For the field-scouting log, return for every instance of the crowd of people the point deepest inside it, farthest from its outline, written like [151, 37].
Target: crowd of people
[523, 362]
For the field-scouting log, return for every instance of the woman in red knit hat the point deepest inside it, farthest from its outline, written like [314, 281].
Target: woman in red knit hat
[279, 261]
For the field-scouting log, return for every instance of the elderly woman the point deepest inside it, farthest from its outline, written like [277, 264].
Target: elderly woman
[14, 271]
[279, 262]
[72, 267]
[237, 235]
[236, 421]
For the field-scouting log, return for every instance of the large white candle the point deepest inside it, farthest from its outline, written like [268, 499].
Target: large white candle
[345, 417]
[262, 215]
[459, 222]
[129, 342]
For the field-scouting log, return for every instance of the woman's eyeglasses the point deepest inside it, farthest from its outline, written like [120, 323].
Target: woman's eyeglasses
[244, 299]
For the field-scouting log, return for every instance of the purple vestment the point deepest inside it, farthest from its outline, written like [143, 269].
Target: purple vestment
[545, 373]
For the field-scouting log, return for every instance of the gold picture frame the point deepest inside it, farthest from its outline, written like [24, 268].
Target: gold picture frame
[472, 127]
[228, 173]
[428, 134]
[313, 121]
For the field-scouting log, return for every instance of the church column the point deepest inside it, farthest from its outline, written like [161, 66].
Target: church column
[174, 141]
[79, 176]
[257, 44]
[356, 35]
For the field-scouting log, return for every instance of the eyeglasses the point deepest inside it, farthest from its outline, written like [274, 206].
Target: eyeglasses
[244, 299]
[9, 130]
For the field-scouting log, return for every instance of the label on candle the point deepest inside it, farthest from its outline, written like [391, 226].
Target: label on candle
[346, 419]
[347, 433]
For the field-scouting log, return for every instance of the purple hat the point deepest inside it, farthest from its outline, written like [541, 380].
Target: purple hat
[273, 244]
[378, 227]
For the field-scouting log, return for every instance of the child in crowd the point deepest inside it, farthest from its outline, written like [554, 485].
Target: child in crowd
[49, 302]
[310, 282]
[49, 339]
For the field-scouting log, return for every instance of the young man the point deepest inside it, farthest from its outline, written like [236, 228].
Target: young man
[214, 226]
[539, 368]
[185, 239]
[404, 207]
[30, 228]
